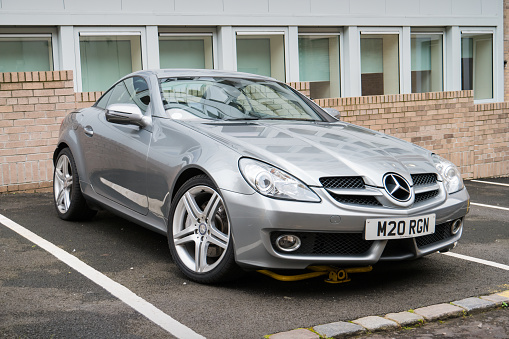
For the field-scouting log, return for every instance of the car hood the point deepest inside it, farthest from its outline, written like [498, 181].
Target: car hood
[311, 150]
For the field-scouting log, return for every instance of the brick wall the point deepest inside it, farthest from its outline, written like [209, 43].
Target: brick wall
[32, 105]
[506, 49]
[475, 137]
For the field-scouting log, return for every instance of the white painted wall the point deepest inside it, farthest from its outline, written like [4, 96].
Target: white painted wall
[248, 12]
[225, 17]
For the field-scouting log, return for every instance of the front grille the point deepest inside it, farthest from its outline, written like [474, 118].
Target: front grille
[326, 243]
[342, 182]
[442, 232]
[424, 179]
[366, 200]
[425, 196]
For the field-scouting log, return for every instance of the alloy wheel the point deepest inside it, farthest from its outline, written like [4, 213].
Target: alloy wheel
[63, 184]
[201, 229]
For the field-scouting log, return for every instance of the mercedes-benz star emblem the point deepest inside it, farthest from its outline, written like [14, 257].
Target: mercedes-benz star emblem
[397, 187]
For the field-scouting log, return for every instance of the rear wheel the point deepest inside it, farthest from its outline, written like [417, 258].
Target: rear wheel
[69, 201]
[199, 233]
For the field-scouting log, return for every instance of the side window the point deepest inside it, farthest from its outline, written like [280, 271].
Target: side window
[131, 91]
[103, 101]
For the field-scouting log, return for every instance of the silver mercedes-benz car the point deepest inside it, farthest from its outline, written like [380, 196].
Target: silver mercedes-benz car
[243, 172]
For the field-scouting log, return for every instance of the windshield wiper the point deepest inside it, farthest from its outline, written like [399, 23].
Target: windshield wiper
[289, 119]
[244, 118]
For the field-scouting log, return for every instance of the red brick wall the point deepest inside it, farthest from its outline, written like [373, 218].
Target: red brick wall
[475, 137]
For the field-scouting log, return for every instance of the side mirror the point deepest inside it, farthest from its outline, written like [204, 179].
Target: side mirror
[333, 112]
[126, 114]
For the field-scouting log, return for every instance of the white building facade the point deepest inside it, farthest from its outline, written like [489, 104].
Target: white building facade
[344, 48]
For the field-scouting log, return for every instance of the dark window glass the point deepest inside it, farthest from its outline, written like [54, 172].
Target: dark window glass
[131, 91]
[103, 101]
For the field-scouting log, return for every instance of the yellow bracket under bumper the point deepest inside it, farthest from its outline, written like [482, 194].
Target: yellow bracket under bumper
[334, 275]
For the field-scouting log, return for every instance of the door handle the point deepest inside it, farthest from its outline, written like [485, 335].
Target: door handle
[89, 130]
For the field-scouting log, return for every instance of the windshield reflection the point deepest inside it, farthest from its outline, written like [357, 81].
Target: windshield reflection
[230, 99]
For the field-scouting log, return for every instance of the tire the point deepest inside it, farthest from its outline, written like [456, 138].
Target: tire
[69, 202]
[199, 233]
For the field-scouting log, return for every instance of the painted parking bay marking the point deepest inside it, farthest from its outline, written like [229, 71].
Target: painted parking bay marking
[491, 182]
[121, 292]
[489, 206]
[477, 260]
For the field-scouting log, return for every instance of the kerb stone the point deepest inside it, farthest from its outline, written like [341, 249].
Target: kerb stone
[338, 329]
[474, 304]
[497, 298]
[439, 311]
[301, 333]
[374, 323]
[405, 318]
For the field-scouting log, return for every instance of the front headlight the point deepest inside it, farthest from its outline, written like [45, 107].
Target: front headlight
[449, 173]
[274, 183]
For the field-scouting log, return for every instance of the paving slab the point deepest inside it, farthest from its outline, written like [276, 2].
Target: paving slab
[474, 304]
[405, 318]
[439, 311]
[339, 329]
[374, 323]
[300, 333]
[497, 298]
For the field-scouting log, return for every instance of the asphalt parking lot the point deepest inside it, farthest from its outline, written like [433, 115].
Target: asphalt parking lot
[43, 297]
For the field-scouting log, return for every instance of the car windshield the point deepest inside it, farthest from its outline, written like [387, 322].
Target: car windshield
[215, 98]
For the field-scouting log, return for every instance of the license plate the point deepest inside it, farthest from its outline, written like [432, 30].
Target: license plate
[397, 228]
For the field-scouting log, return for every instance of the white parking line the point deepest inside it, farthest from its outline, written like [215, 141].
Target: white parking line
[121, 292]
[490, 206]
[477, 260]
[491, 183]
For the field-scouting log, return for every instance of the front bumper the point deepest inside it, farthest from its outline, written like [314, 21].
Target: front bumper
[257, 220]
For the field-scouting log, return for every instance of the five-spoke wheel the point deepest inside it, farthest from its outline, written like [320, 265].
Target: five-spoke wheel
[69, 201]
[200, 232]
[63, 184]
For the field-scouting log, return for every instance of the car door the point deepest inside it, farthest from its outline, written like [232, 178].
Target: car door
[116, 154]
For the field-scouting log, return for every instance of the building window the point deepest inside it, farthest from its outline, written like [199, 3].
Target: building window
[185, 51]
[379, 63]
[319, 64]
[427, 62]
[477, 64]
[261, 53]
[25, 53]
[107, 58]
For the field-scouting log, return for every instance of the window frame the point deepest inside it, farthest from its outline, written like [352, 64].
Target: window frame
[494, 79]
[384, 31]
[24, 32]
[327, 31]
[445, 56]
[272, 30]
[107, 31]
[191, 32]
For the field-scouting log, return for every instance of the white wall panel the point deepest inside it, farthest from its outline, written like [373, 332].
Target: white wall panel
[492, 8]
[56, 5]
[92, 5]
[246, 6]
[400, 7]
[295, 6]
[467, 7]
[330, 6]
[367, 7]
[432, 7]
[199, 6]
[151, 6]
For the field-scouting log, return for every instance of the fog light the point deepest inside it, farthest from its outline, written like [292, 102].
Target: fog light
[288, 242]
[456, 226]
